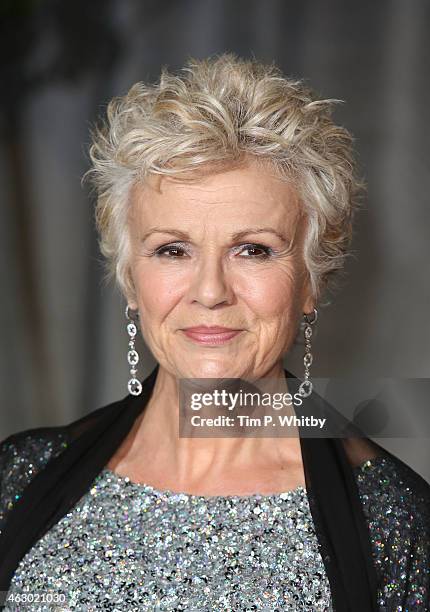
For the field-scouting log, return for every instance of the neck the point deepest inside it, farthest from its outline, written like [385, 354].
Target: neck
[158, 450]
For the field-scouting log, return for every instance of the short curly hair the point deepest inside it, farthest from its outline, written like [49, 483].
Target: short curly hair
[215, 113]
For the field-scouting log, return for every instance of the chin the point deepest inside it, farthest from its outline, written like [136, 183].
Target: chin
[211, 369]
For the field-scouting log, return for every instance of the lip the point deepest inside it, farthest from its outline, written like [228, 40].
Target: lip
[211, 334]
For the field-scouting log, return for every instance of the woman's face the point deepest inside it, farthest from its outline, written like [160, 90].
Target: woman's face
[225, 251]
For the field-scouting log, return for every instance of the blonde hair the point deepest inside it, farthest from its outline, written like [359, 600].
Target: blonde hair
[215, 113]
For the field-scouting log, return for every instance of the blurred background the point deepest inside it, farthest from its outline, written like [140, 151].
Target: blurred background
[63, 335]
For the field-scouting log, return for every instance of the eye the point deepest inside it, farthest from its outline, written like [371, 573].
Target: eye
[258, 251]
[170, 251]
[177, 251]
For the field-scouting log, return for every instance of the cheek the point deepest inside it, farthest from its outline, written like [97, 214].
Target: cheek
[158, 290]
[271, 294]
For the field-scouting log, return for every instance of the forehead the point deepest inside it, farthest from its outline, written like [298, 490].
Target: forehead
[231, 195]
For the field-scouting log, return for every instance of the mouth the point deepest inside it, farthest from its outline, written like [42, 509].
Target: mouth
[211, 335]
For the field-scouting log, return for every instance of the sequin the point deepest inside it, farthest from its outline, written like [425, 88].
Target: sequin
[396, 504]
[21, 458]
[129, 546]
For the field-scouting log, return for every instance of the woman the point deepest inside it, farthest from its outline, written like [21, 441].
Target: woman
[225, 201]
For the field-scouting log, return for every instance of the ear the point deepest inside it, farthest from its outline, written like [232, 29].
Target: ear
[130, 291]
[130, 300]
[308, 303]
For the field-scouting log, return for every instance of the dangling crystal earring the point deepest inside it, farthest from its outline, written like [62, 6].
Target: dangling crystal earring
[305, 388]
[134, 384]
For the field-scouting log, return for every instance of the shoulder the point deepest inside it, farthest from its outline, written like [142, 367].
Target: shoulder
[22, 456]
[396, 504]
[35, 445]
[25, 453]
[387, 485]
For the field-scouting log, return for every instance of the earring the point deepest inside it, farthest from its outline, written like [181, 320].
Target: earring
[305, 388]
[134, 385]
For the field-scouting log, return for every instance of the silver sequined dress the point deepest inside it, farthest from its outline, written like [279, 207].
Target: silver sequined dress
[129, 546]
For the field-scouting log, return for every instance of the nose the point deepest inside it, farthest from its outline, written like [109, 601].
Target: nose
[210, 286]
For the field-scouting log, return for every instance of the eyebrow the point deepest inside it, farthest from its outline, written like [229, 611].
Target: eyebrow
[235, 236]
